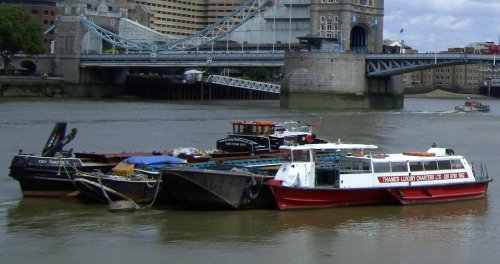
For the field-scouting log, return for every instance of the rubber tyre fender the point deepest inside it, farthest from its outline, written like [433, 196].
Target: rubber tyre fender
[252, 190]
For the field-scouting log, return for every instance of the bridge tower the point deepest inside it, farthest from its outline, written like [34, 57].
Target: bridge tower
[330, 72]
[356, 25]
[74, 39]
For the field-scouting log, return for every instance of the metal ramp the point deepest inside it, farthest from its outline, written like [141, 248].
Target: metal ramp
[245, 84]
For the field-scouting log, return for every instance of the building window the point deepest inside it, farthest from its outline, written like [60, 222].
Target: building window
[328, 26]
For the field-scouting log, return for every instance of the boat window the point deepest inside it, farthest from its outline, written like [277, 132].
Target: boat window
[456, 164]
[416, 166]
[381, 167]
[430, 165]
[355, 166]
[399, 166]
[345, 164]
[366, 165]
[287, 157]
[260, 130]
[264, 130]
[253, 130]
[246, 129]
[444, 164]
[301, 155]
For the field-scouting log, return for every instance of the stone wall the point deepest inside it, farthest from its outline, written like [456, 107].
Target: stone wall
[335, 81]
[330, 80]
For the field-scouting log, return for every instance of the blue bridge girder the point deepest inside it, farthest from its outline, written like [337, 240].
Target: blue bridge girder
[185, 59]
[209, 35]
[378, 65]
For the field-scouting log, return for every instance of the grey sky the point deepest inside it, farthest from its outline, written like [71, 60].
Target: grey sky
[436, 25]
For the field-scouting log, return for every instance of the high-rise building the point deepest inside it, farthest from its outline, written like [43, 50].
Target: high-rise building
[180, 18]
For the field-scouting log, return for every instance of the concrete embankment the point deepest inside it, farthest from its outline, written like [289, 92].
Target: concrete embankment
[31, 86]
[45, 86]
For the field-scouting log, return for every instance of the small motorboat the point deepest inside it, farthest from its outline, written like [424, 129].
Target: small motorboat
[472, 106]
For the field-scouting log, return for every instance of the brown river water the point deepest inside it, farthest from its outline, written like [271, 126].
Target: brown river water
[65, 231]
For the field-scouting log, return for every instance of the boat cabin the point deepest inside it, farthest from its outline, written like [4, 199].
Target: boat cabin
[257, 128]
[366, 170]
[265, 136]
[301, 162]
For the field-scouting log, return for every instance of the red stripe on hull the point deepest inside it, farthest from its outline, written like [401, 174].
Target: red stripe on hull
[440, 193]
[308, 198]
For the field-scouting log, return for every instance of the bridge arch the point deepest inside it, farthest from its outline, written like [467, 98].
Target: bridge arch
[29, 65]
[359, 39]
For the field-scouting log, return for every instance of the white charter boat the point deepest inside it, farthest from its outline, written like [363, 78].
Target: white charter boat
[436, 175]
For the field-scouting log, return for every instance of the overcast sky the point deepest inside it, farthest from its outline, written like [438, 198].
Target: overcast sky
[436, 25]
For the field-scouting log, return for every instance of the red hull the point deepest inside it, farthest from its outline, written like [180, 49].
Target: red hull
[303, 198]
[308, 198]
[440, 193]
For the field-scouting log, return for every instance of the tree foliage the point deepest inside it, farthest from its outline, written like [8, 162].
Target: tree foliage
[19, 32]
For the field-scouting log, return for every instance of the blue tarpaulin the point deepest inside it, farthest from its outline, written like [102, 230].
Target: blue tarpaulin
[154, 161]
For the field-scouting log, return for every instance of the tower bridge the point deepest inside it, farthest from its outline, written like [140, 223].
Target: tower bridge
[377, 65]
[339, 63]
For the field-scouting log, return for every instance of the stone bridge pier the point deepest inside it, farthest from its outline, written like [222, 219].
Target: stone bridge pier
[336, 81]
[73, 39]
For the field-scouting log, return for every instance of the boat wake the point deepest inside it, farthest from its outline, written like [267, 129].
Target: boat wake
[8, 204]
[430, 112]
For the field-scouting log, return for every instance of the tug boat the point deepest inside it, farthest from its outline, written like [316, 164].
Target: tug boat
[254, 137]
[48, 174]
[436, 175]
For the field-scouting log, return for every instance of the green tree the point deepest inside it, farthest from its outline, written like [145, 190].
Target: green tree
[18, 33]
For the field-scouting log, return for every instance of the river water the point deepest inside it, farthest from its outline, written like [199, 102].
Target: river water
[64, 231]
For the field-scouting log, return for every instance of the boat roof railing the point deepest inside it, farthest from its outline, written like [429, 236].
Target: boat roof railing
[331, 146]
[253, 123]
